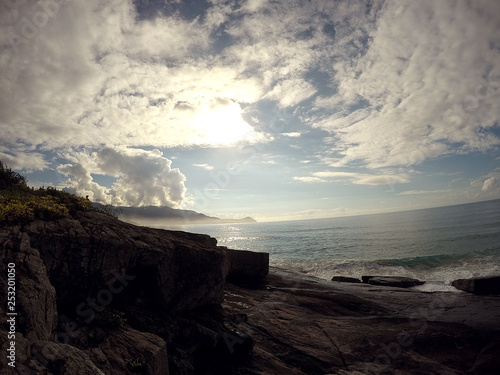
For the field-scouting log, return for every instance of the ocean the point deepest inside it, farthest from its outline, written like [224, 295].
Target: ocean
[437, 245]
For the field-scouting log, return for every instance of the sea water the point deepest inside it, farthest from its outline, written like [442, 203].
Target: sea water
[437, 245]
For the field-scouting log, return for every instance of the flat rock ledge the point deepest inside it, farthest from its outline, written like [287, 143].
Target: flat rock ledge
[479, 285]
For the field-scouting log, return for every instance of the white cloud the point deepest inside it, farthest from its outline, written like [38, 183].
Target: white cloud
[489, 184]
[21, 160]
[291, 92]
[382, 180]
[204, 166]
[142, 178]
[339, 174]
[423, 192]
[364, 178]
[81, 182]
[166, 37]
[308, 179]
[94, 75]
[253, 5]
[292, 134]
[427, 83]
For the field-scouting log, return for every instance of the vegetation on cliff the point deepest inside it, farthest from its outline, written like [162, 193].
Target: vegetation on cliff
[20, 204]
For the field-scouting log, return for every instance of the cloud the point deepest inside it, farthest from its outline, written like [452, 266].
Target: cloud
[489, 184]
[204, 166]
[142, 178]
[421, 192]
[382, 180]
[339, 174]
[292, 134]
[252, 6]
[422, 85]
[81, 182]
[95, 74]
[364, 178]
[391, 83]
[308, 179]
[291, 92]
[20, 160]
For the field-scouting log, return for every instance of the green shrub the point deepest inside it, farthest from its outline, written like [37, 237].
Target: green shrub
[9, 178]
[136, 366]
[20, 204]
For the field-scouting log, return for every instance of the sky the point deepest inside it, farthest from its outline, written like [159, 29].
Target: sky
[274, 109]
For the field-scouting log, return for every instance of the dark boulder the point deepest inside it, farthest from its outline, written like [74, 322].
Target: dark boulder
[479, 285]
[365, 279]
[345, 279]
[395, 281]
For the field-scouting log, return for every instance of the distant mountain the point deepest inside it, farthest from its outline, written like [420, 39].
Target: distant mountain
[155, 216]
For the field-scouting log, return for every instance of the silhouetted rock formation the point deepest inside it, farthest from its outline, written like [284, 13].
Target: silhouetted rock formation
[98, 295]
[479, 285]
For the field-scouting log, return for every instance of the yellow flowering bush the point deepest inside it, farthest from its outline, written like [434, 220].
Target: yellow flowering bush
[19, 204]
[30, 207]
[15, 212]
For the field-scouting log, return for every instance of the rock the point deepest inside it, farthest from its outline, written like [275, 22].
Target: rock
[302, 325]
[84, 255]
[345, 279]
[479, 285]
[365, 279]
[97, 295]
[128, 349]
[236, 343]
[64, 359]
[246, 267]
[35, 296]
[394, 281]
[488, 360]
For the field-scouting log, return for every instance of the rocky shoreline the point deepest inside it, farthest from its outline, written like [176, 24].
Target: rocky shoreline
[305, 325]
[95, 295]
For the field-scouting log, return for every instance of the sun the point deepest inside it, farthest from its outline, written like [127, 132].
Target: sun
[220, 123]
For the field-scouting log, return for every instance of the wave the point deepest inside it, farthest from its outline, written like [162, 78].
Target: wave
[438, 270]
[428, 262]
